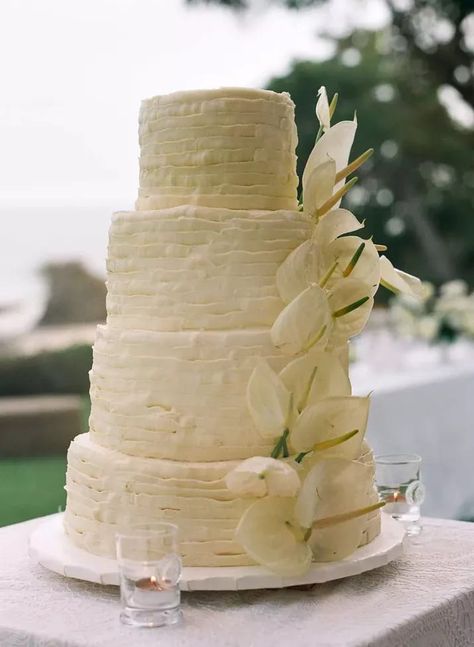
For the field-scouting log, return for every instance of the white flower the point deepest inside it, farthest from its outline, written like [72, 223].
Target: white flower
[428, 327]
[322, 109]
[268, 401]
[272, 537]
[456, 288]
[261, 476]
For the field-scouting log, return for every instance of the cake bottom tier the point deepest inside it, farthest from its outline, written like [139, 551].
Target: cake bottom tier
[108, 491]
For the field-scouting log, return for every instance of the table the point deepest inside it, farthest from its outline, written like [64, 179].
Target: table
[426, 599]
[427, 407]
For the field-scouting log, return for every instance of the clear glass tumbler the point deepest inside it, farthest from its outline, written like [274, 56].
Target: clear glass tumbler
[399, 485]
[150, 569]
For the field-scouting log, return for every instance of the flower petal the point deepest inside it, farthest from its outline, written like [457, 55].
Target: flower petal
[336, 143]
[330, 418]
[261, 475]
[268, 401]
[398, 281]
[303, 323]
[270, 535]
[298, 271]
[367, 267]
[337, 542]
[318, 186]
[333, 486]
[322, 108]
[334, 224]
[344, 294]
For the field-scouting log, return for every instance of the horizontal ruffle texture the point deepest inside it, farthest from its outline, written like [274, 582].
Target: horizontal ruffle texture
[198, 268]
[109, 491]
[177, 395]
[232, 148]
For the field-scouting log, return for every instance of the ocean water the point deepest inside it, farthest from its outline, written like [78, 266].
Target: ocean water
[55, 230]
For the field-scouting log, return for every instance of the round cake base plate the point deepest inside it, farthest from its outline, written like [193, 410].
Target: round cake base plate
[51, 547]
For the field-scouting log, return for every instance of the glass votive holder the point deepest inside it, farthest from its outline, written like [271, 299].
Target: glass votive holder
[398, 483]
[150, 569]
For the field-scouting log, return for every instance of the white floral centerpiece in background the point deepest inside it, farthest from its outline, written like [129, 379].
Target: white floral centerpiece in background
[439, 317]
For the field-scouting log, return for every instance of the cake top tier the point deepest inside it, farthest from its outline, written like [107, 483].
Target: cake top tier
[231, 148]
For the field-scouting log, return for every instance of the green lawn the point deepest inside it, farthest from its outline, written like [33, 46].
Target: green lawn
[30, 487]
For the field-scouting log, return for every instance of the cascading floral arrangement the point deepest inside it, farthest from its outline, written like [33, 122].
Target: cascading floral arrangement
[313, 495]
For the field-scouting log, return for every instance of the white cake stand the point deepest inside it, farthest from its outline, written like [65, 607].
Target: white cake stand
[51, 547]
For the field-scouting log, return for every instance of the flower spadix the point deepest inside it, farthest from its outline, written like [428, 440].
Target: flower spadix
[357, 258]
[316, 375]
[397, 281]
[336, 143]
[351, 303]
[268, 401]
[329, 418]
[303, 323]
[270, 534]
[261, 476]
[333, 486]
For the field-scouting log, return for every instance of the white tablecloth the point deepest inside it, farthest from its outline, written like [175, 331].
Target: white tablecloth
[426, 599]
[427, 407]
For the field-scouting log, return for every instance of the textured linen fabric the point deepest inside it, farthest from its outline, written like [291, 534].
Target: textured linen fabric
[425, 599]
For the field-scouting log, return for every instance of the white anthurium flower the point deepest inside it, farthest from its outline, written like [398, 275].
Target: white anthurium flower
[334, 224]
[338, 541]
[322, 109]
[316, 375]
[318, 186]
[351, 303]
[272, 537]
[261, 476]
[299, 270]
[397, 281]
[357, 258]
[336, 143]
[330, 379]
[304, 323]
[268, 401]
[330, 418]
[333, 486]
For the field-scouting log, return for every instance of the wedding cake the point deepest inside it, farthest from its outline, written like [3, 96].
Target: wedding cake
[220, 343]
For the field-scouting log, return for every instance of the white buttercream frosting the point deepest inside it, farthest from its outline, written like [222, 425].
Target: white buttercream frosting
[198, 268]
[108, 491]
[232, 147]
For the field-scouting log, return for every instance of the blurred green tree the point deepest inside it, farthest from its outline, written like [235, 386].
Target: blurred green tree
[417, 192]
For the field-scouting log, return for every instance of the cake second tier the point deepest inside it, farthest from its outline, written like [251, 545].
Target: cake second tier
[198, 268]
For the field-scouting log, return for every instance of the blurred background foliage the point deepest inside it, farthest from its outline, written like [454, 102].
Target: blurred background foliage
[416, 193]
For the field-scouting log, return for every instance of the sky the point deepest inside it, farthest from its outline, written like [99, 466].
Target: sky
[73, 73]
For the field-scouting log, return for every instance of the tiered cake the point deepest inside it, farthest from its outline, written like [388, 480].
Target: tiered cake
[192, 297]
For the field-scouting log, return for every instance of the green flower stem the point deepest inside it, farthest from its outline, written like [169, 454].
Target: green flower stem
[353, 262]
[353, 306]
[281, 445]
